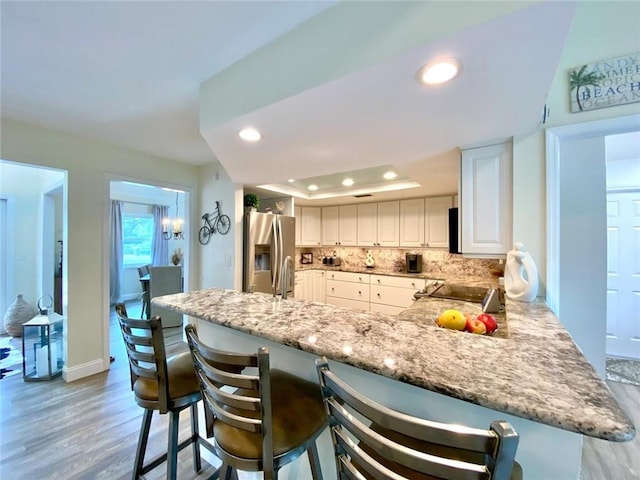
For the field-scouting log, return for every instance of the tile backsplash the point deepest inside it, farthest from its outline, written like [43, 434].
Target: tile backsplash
[434, 261]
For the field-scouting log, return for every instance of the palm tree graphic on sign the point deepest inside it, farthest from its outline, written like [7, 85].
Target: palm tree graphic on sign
[580, 79]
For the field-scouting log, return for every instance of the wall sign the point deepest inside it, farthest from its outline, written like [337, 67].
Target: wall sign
[606, 83]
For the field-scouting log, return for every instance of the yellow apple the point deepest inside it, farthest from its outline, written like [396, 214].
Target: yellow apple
[453, 319]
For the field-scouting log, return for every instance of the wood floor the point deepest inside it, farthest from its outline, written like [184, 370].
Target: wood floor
[89, 429]
[86, 429]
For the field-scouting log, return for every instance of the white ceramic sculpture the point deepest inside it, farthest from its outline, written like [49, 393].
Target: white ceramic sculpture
[369, 259]
[520, 275]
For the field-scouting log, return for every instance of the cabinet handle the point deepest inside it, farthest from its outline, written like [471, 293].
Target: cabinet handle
[378, 295]
[413, 284]
[360, 278]
[378, 280]
[359, 292]
[332, 289]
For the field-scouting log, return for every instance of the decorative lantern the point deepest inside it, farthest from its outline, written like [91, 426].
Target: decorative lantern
[42, 357]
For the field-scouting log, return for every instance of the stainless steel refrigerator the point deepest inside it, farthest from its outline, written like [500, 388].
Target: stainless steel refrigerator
[268, 240]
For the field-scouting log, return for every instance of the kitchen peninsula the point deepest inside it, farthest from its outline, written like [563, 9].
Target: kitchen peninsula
[536, 378]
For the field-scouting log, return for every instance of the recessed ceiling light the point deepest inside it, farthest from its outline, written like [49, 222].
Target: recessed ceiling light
[249, 134]
[390, 175]
[439, 71]
[347, 182]
[291, 180]
[312, 187]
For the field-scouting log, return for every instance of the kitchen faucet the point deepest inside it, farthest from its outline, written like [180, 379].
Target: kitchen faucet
[286, 272]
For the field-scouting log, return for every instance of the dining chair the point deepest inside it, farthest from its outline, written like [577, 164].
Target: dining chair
[260, 419]
[372, 441]
[143, 272]
[163, 384]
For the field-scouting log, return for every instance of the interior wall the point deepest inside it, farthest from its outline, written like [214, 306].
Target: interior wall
[598, 32]
[90, 165]
[220, 256]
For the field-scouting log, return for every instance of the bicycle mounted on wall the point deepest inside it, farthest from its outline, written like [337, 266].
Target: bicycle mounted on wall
[214, 222]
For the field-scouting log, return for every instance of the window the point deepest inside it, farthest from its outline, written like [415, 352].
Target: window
[137, 237]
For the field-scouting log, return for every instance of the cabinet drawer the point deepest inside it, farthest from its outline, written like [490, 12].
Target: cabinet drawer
[345, 302]
[398, 297]
[349, 277]
[354, 291]
[401, 282]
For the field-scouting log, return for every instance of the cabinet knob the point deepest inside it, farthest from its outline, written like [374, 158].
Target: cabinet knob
[359, 292]
[378, 295]
[332, 289]
[378, 280]
[413, 284]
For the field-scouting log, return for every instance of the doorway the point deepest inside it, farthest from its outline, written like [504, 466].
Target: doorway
[623, 283]
[140, 240]
[576, 229]
[25, 267]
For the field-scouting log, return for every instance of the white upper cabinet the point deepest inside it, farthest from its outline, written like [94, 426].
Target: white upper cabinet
[310, 228]
[486, 200]
[339, 225]
[348, 229]
[388, 231]
[297, 212]
[412, 222]
[424, 222]
[368, 224]
[436, 224]
[330, 225]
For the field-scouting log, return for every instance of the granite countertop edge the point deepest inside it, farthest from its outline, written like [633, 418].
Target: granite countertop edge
[537, 373]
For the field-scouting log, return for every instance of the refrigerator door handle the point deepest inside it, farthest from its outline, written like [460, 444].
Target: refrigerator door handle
[275, 268]
[281, 253]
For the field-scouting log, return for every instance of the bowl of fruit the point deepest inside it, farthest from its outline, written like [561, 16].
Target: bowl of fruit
[481, 324]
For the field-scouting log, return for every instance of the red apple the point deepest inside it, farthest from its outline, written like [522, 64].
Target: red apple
[489, 322]
[476, 326]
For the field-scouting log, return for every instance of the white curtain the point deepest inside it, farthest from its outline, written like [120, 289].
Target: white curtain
[115, 267]
[160, 246]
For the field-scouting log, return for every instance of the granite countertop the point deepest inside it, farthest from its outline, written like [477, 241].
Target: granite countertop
[451, 278]
[536, 372]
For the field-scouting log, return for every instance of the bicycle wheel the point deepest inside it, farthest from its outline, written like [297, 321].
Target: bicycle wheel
[204, 235]
[223, 224]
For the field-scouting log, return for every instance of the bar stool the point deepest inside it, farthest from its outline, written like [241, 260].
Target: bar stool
[403, 447]
[266, 420]
[168, 385]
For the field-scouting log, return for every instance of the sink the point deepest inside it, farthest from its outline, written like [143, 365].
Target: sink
[453, 292]
[460, 292]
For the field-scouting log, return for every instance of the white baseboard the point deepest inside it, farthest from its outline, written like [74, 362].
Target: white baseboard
[71, 374]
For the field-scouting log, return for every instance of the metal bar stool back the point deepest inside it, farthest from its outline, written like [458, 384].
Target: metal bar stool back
[168, 385]
[372, 441]
[260, 419]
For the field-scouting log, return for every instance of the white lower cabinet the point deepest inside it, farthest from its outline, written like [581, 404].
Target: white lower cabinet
[303, 285]
[391, 295]
[346, 289]
[310, 285]
[378, 293]
[319, 287]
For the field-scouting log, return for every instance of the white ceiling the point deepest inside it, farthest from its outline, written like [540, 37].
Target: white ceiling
[129, 73]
